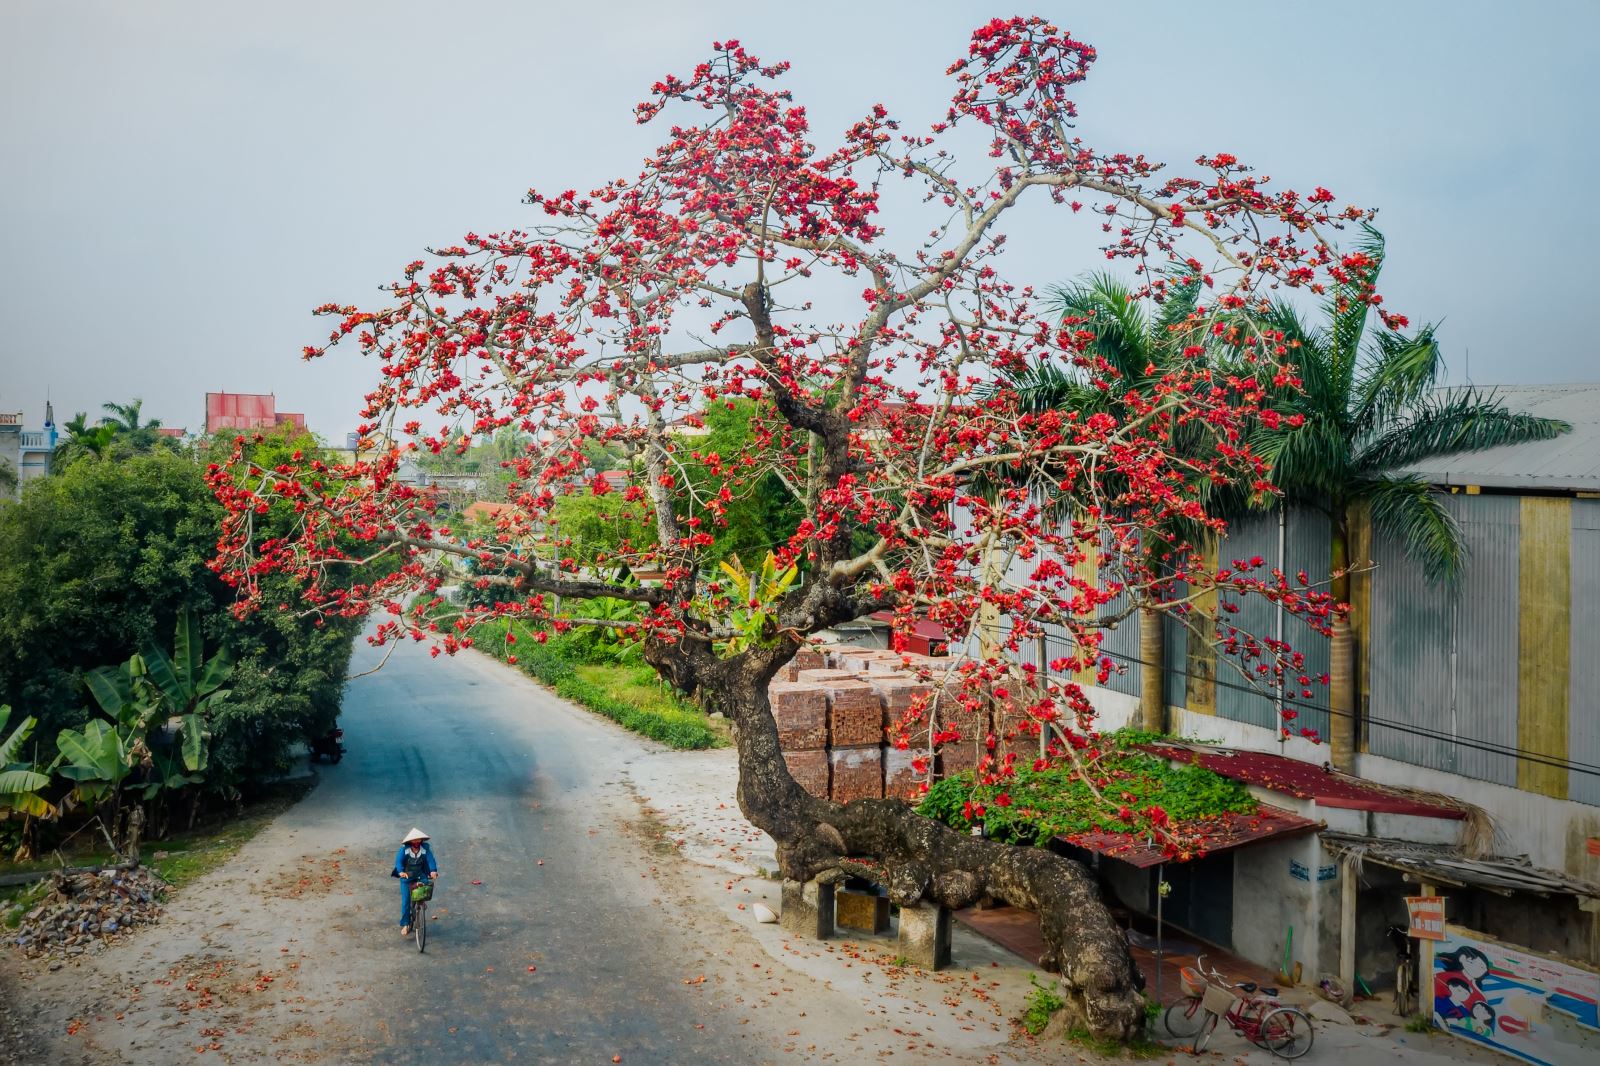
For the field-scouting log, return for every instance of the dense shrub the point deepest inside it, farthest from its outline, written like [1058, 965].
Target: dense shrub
[614, 674]
[100, 558]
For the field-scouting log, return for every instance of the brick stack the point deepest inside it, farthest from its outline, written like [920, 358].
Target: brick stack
[801, 713]
[833, 707]
[805, 659]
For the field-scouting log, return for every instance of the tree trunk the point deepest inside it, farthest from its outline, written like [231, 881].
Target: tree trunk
[917, 858]
[1342, 661]
[1152, 673]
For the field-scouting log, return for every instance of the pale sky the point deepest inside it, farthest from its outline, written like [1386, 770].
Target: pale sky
[183, 181]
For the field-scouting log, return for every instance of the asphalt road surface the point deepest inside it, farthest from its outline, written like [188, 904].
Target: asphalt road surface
[519, 792]
[290, 952]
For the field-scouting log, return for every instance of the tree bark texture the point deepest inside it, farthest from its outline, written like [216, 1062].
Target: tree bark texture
[918, 859]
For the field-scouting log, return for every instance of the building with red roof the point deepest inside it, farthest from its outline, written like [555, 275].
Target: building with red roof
[248, 411]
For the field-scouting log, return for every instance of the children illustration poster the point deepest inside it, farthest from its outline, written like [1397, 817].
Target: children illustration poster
[1533, 1008]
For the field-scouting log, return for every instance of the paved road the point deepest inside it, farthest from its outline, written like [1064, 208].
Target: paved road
[503, 775]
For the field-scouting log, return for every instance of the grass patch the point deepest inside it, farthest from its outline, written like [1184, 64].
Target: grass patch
[1042, 1003]
[185, 856]
[1141, 1048]
[189, 856]
[629, 694]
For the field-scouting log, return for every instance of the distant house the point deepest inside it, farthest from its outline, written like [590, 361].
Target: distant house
[27, 452]
[248, 410]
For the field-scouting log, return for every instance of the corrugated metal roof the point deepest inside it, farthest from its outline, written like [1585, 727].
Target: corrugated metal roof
[1442, 864]
[1304, 780]
[1570, 463]
[1224, 832]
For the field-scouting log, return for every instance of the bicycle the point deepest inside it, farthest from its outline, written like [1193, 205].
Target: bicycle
[1405, 991]
[1258, 1016]
[421, 893]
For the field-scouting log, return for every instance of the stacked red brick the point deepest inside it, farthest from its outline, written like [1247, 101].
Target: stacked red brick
[833, 708]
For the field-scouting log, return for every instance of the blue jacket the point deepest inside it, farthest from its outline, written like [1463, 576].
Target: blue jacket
[427, 853]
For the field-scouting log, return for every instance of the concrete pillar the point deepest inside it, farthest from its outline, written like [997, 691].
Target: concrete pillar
[925, 935]
[807, 909]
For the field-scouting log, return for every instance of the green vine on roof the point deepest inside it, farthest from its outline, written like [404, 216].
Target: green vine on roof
[1034, 806]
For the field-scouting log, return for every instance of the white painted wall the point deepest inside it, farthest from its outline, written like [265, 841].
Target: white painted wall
[1551, 832]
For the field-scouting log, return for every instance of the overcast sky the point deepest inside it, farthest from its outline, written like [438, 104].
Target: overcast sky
[183, 182]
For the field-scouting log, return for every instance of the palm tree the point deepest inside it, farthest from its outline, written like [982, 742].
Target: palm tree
[1140, 345]
[124, 419]
[1371, 408]
[81, 440]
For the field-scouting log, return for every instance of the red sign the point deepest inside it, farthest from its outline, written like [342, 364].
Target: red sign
[1427, 917]
[1593, 844]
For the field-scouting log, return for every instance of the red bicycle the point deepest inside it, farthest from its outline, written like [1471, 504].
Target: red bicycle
[1257, 1015]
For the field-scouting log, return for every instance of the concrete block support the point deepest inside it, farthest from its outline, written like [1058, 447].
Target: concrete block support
[925, 936]
[807, 909]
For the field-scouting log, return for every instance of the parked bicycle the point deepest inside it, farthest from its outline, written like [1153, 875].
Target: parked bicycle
[421, 893]
[1405, 971]
[1257, 1015]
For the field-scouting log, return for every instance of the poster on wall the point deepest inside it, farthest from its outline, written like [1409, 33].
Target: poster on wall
[1534, 1008]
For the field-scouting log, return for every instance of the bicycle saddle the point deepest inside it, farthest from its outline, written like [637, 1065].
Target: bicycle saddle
[1250, 986]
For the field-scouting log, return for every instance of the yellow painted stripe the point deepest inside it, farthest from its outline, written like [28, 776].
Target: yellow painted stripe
[1200, 695]
[1544, 638]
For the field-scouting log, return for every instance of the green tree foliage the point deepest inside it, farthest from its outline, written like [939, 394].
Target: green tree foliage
[602, 532]
[103, 560]
[763, 511]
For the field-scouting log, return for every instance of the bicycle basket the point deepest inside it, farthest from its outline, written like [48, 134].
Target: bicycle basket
[422, 892]
[1193, 983]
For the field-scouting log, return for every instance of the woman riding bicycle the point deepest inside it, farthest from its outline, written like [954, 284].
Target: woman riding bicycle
[414, 859]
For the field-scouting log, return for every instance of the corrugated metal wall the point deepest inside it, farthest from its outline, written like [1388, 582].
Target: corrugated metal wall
[1583, 740]
[1307, 546]
[1443, 664]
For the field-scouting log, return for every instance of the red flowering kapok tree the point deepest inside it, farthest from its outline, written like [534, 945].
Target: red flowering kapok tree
[745, 262]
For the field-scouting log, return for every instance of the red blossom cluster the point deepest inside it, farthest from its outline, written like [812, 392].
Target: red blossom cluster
[746, 262]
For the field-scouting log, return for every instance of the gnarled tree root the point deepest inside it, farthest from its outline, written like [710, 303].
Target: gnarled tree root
[918, 859]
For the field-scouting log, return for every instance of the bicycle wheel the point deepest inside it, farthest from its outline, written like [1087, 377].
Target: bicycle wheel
[419, 924]
[1183, 1018]
[1287, 1032]
[1403, 1005]
[1202, 1036]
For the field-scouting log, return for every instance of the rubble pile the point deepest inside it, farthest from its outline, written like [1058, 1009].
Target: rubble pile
[85, 909]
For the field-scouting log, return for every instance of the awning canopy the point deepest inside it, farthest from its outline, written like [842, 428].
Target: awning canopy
[1222, 833]
[1446, 865]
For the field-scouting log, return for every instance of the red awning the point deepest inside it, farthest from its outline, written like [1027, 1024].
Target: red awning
[1223, 833]
[1304, 780]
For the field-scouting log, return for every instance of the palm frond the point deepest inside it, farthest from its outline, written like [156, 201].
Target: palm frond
[1310, 463]
[1106, 308]
[1398, 373]
[1413, 512]
[1183, 296]
[1457, 421]
[1347, 306]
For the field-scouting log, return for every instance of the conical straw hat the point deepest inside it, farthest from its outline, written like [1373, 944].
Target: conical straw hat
[415, 834]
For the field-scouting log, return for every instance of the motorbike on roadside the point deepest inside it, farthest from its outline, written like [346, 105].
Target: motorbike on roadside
[328, 746]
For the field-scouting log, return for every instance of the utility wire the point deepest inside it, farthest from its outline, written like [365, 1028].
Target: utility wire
[1520, 754]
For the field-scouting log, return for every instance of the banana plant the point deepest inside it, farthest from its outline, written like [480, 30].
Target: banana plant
[153, 687]
[98, 758]
[21, 781]
[757, 595]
